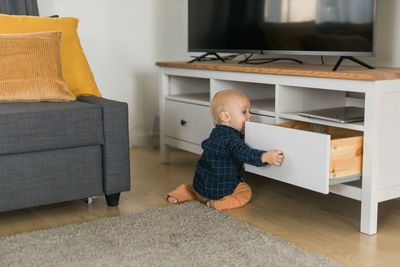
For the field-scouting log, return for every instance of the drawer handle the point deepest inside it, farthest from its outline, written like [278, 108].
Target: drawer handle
[183, 122]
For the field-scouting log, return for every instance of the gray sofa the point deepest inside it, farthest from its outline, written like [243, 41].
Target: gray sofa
[54, 152]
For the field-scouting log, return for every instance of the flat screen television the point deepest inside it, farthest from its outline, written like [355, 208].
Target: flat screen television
[292, 27]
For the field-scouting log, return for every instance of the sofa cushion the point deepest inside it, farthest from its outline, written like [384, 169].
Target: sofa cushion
[29, 127]
[30, 68]
[77, 72]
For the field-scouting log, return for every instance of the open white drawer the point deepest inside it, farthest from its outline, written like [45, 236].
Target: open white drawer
[315, 156]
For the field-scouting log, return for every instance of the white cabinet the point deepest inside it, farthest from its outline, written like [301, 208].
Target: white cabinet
[314, 159]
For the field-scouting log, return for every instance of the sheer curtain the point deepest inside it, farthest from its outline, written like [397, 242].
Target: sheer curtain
[353, 11]
[19, 7]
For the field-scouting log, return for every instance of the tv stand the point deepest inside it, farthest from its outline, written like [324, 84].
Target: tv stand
[204, 56]
[352, 59]
[277, 94]
[259, 61]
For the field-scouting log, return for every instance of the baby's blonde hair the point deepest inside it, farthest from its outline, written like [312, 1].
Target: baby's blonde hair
[219, 103]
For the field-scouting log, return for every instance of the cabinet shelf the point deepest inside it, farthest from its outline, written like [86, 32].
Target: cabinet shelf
[359, 126]
[198, 98]
[350, 189]
[263, 106]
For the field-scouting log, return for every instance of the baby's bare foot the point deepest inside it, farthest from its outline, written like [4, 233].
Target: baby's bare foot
[172, 199]
[210, 204]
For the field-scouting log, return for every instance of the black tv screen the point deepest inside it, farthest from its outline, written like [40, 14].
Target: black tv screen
[302, 27]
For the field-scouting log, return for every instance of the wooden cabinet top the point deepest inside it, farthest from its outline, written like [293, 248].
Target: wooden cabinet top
[294, 69]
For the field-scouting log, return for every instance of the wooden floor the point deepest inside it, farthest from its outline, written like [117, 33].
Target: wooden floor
[325, 224]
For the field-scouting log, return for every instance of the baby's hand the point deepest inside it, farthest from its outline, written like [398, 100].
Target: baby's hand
[273, 157]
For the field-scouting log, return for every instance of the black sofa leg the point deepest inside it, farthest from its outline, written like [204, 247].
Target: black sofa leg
[113, 199]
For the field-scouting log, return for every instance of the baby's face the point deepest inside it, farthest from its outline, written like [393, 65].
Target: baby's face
[239, 111]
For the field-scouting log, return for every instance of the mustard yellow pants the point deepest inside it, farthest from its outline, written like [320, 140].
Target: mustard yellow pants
[238, 198]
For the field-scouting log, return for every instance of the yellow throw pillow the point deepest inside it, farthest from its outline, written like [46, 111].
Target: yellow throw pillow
[30, 68]
[76, 69]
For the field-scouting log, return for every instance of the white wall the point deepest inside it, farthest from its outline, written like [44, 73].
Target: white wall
[387, 34]
[123, 39]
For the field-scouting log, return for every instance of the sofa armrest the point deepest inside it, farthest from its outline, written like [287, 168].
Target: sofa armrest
[116, 163]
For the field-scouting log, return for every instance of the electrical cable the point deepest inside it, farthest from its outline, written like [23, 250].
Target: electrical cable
[248, 60]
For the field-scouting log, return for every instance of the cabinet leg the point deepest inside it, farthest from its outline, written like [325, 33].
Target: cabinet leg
[164, 153]
[369, 217]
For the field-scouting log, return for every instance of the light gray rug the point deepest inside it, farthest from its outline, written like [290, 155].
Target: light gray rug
[189, 234]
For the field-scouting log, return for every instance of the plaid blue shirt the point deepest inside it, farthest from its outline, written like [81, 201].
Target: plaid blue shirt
[217, 172]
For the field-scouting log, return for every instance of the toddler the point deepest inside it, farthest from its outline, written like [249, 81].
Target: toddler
[217, 180]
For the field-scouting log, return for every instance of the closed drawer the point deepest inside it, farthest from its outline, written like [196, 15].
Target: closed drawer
[315, 156]
[187, 122]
